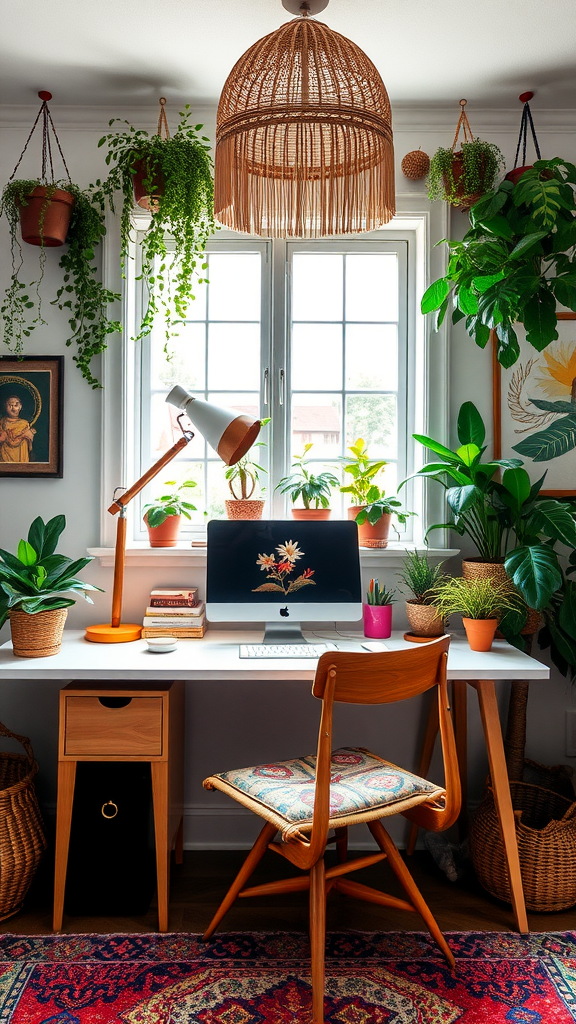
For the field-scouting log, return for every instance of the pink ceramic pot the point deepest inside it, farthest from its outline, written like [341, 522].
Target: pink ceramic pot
[377, 620]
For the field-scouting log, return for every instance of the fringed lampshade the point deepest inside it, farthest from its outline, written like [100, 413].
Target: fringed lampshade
[304, 137]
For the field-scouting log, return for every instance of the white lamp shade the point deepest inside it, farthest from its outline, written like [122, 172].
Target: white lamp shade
[229, 432]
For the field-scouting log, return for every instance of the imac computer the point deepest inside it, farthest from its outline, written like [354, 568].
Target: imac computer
[283, 573]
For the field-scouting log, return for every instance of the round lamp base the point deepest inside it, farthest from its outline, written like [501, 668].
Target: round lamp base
[107, 634]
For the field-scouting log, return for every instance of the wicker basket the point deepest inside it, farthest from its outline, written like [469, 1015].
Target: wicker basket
[546, 834]
[39, 635]
[22, 839]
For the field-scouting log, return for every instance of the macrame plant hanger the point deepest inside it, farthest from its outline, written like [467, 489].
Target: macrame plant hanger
[464, 126]
[148, 181]
[526, 120]
[35, 214]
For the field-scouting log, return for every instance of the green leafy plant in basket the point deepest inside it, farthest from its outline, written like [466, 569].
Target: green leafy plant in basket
[420, 577]
[176, 175]
[516, 262]
[81, 294]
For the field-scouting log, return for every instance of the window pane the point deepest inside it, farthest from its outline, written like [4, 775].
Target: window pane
[372, 286]
[184, 363]
[234, 286]
[317, 420]
[316, 356]
[372, 357]
[234, 356]
[372, 417]
[317, 286]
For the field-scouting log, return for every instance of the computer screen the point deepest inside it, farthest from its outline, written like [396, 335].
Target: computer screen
[279, 571]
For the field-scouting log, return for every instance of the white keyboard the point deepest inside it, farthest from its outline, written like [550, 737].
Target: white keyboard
[284, 650]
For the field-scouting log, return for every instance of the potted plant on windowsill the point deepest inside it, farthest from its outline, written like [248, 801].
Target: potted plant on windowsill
[377, 611]
[372, 510]
[163, 516]
[421, 578]
[243, 479]
[32, 587]
[481, 602]
[313, 489]
[175, 174]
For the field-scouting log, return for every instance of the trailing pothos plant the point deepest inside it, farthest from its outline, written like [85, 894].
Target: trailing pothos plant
[183, 207]
[516, 262]
[81, 294]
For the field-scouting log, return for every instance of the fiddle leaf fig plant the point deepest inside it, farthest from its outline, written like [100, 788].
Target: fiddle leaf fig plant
[515, 263]
[178, 170]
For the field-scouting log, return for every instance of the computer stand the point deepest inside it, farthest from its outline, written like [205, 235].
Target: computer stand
[283, 633]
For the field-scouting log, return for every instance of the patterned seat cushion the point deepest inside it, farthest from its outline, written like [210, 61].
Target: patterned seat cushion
[360, 782]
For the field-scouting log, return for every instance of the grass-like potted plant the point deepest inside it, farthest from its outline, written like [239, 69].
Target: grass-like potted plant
[163, 515]
[173, 176]
[372, 510]
[377, 611]
[481, 602]
[33, 585]
[50, 214]
[421, 578]
[313, 488]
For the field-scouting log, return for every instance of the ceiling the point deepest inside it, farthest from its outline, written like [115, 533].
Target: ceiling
[429, 52]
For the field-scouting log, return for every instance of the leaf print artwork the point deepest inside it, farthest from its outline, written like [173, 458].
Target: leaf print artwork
[279, 567]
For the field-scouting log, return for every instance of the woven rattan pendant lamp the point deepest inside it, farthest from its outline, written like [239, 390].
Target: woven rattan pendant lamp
[304, 135]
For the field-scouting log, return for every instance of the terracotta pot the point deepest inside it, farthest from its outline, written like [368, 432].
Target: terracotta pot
[37, 636]
[148, 198]
[244, 508]
[165, 535]
[45, 221]
[377, 620]
[480, 633]
[311, 513]
[464, 201]
[424, 619]
[371, 536]
[516, 173]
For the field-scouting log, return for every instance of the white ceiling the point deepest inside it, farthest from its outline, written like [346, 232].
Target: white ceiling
[429, 52]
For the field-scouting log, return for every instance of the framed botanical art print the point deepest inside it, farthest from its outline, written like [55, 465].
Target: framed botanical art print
[548, 376]
[31, 395]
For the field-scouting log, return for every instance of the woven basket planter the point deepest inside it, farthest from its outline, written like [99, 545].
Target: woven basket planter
[22, 840]
[546, 833]
[37, 636]
[244, 508]
[424, 619]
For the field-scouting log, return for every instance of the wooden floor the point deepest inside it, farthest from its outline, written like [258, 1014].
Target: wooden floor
[199, 884]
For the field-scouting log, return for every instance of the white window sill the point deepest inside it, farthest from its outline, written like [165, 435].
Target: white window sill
[139, 554]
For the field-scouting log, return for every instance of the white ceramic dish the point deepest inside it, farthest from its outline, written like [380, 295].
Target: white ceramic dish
[162, 644]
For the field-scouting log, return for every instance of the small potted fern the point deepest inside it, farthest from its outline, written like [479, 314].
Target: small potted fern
[481, 602]
[313, 488]
[422, 578]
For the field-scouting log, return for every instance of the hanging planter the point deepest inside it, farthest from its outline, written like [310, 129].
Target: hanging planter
[171, 176]
[48, 213]
[516, 173]
[461, 176]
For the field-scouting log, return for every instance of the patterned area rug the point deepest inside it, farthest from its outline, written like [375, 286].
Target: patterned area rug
[371, 978]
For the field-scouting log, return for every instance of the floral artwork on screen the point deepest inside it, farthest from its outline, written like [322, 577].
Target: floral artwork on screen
[279, 567]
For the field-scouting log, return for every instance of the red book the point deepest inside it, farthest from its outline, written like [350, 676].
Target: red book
[182, 598]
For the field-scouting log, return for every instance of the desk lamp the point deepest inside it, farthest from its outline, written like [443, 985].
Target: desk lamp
[229, 432]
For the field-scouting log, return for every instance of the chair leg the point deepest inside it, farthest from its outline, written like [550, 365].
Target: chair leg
[341, 844]
[409, 885]
[318, 938]
[432, 729]
[252, 860]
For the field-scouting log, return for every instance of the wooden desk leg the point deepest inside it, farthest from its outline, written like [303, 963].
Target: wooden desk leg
[159, 771]
[499, 775]
[459, 710]
[179, 844]
[432, 727]
[66, 781]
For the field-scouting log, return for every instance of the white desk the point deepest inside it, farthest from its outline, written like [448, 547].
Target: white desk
[217, 657]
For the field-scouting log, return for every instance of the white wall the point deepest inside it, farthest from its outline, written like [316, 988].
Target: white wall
[248, 729]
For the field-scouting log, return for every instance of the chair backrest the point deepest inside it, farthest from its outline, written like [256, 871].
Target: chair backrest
[381, 679]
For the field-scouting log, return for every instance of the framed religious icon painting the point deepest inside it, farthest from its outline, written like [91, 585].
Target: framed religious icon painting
[544, 377]
[31, 395]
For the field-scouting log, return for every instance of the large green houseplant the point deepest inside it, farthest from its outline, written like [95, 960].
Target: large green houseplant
[81, 294]
[516, 262]
[176, 174]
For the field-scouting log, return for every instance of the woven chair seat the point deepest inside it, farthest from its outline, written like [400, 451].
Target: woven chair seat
[363, 787]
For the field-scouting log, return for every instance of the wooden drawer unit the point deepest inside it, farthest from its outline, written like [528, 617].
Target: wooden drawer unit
[112, 726]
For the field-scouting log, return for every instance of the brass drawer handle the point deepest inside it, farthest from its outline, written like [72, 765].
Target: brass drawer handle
[109, 803]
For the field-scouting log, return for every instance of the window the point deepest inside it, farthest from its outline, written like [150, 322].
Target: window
[313, 334]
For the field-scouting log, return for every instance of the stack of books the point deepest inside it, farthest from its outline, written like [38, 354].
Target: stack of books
[174, 613]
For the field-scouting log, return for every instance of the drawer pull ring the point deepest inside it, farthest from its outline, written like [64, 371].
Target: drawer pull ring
[105, 813]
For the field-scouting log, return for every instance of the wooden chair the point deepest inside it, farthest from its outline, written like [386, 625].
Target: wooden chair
[305, 798]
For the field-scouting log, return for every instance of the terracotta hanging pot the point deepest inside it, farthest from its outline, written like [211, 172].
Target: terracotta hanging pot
[44, 220]
[463, 200]
[244, 508]
[165, 535]
[480, 633]
[516, 173]
[148, 196]
[311, 513]
[371, 536]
